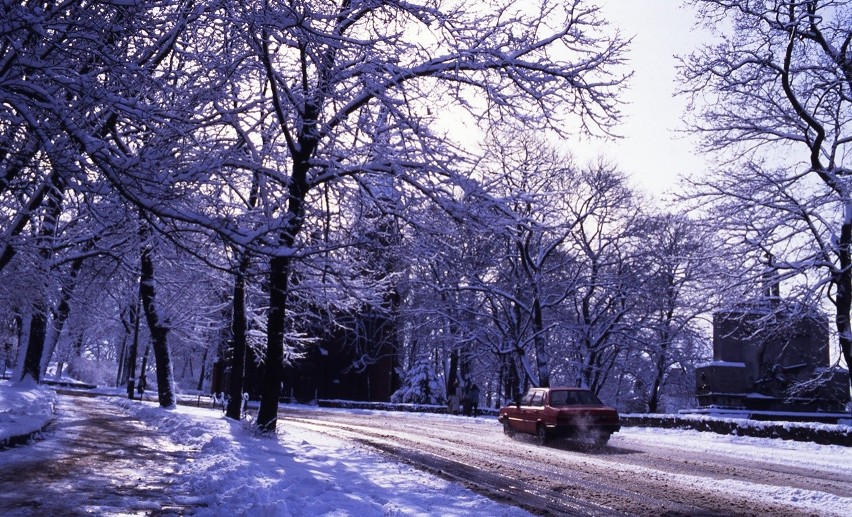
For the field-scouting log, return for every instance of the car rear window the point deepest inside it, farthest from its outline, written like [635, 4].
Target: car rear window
[574, 398]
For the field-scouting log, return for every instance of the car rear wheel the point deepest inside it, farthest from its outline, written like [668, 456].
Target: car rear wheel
[507, 429]
[541, 434]
[602, 439]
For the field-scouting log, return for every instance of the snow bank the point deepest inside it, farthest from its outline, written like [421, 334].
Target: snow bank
[237, 472]
[25, 409]
[825, 434]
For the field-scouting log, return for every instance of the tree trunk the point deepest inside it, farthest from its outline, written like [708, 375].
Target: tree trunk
[143, 372]
[280, 269]
[542, 356]
[23, 323]
[453, 373]
[203, 370]
[35, 343]
[134, 348]
[665, 336]
[843, 282]
[55, 190]
[63, 310]
[279, 275]
[238, 334]
[121, 371]
[659, 371]
[158, 328]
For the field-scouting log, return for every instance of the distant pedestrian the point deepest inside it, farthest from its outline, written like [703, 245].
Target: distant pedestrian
[466, 405]
[473, 396]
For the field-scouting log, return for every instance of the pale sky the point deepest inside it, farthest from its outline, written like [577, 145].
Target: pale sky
[651, 152]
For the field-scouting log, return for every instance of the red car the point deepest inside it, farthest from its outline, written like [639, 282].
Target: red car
[560, 413]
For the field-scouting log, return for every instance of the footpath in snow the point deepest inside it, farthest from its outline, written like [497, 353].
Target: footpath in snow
[93, 460]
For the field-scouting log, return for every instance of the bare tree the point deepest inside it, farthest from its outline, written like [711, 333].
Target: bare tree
[773, 99]
[680, 271]
[607, 272]
[533, 278]
[328, 67]
[180, 110]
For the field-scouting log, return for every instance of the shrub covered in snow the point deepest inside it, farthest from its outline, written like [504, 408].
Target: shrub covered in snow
[90, 371]
[421, 385]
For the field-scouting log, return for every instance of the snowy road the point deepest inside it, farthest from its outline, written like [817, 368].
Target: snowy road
[642, 471]
[118, 457]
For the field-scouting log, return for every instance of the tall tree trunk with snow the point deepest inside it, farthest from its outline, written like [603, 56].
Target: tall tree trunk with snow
[203, 372]
[22, 322]
[659, 374]
[35, 342]
[63, 310]
[159, 329]
[279, 280]
[664, 336]
[452, 384]
[542, 354]
[279, 276]
[239, 325]
[843, 281]
[131, 326]
[239, 330]
[40, 317]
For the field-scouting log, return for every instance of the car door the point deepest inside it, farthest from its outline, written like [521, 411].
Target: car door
[519, 414]
[530, 411]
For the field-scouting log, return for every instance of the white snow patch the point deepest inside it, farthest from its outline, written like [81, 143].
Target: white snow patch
[25, 408]
[300, 473]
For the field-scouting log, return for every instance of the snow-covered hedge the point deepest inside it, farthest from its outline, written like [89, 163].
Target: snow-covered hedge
[826, 434]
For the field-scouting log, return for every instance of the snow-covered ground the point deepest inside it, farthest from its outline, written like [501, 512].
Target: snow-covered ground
[236, 472]
[303, 473]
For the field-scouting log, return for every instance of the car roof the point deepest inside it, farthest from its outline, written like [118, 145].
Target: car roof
[560, 388]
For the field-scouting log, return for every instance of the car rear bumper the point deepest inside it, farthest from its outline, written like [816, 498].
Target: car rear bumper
[572, 430]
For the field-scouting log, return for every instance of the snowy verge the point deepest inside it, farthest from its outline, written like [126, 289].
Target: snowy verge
[825, 434]
[236, 472]
[25, 410]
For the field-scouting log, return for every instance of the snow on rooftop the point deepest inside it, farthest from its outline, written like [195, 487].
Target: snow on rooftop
[729, 364]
